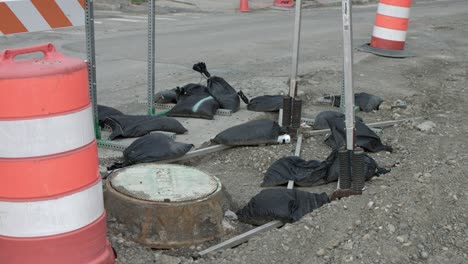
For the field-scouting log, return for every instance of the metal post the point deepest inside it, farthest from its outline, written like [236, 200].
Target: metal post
[151, 56]
[91, 54]
[295, 54]
[348, 72]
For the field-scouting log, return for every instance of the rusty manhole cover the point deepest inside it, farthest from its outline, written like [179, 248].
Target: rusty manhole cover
[164, 183]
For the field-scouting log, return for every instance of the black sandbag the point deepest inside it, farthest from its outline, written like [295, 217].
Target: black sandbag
[125, 126]
[194, 101]
[106, 111]
[266, 103]
[226, 96]
[321, 120]
[166, 96]
[280, 204]
[152, 148]
[302, 172]
[201, 68]
[371, 168]
[365, 101]
[365, 137]
[254, 132]
[314, 172]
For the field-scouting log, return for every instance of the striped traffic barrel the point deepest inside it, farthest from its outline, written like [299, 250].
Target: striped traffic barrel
[51, 200]
[390, 27]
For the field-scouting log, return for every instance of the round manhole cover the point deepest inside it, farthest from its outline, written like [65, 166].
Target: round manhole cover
[164, 183]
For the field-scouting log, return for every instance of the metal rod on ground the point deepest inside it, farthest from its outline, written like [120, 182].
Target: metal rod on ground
[237, 240]
[297, 152]
[295, 53]
[376, 124]
[151, 56]
[91, 55]
[348, 72]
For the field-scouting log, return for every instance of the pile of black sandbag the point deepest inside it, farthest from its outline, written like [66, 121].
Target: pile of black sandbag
[280, 204]
[200, 101]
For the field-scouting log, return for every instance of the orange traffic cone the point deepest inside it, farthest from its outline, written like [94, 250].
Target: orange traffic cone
[244, 6]
[284, 3]
[389, 34]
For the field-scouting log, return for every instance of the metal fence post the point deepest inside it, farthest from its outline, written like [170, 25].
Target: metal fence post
[348, 72]
[151, 57]
[91, 54]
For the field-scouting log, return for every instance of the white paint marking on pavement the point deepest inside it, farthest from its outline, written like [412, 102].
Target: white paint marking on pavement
[165, 18]
[97, 22]
[127, 20]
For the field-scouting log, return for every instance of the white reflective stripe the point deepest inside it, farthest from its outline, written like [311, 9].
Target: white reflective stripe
[389, 34]
[47, 135]
[51, 217]
[393, 11]
[27, 13]
[73, 10]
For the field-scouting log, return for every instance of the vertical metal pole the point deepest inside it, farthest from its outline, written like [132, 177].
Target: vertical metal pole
[348, 72]
[295, 54]
[91, 54]
[151, 56]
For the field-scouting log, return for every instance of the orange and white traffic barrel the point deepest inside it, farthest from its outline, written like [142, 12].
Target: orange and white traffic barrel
[51, 200]
[389, 33]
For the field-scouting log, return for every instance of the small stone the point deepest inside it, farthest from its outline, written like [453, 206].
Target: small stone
[451, 162]
[348, 245]
[370, 204]
[400, 239]
[424, 255]
[426, 126]
[444, 248]
[321, 252]
[366, 237]
[391, 228]
[230, 215]
[357, 223]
